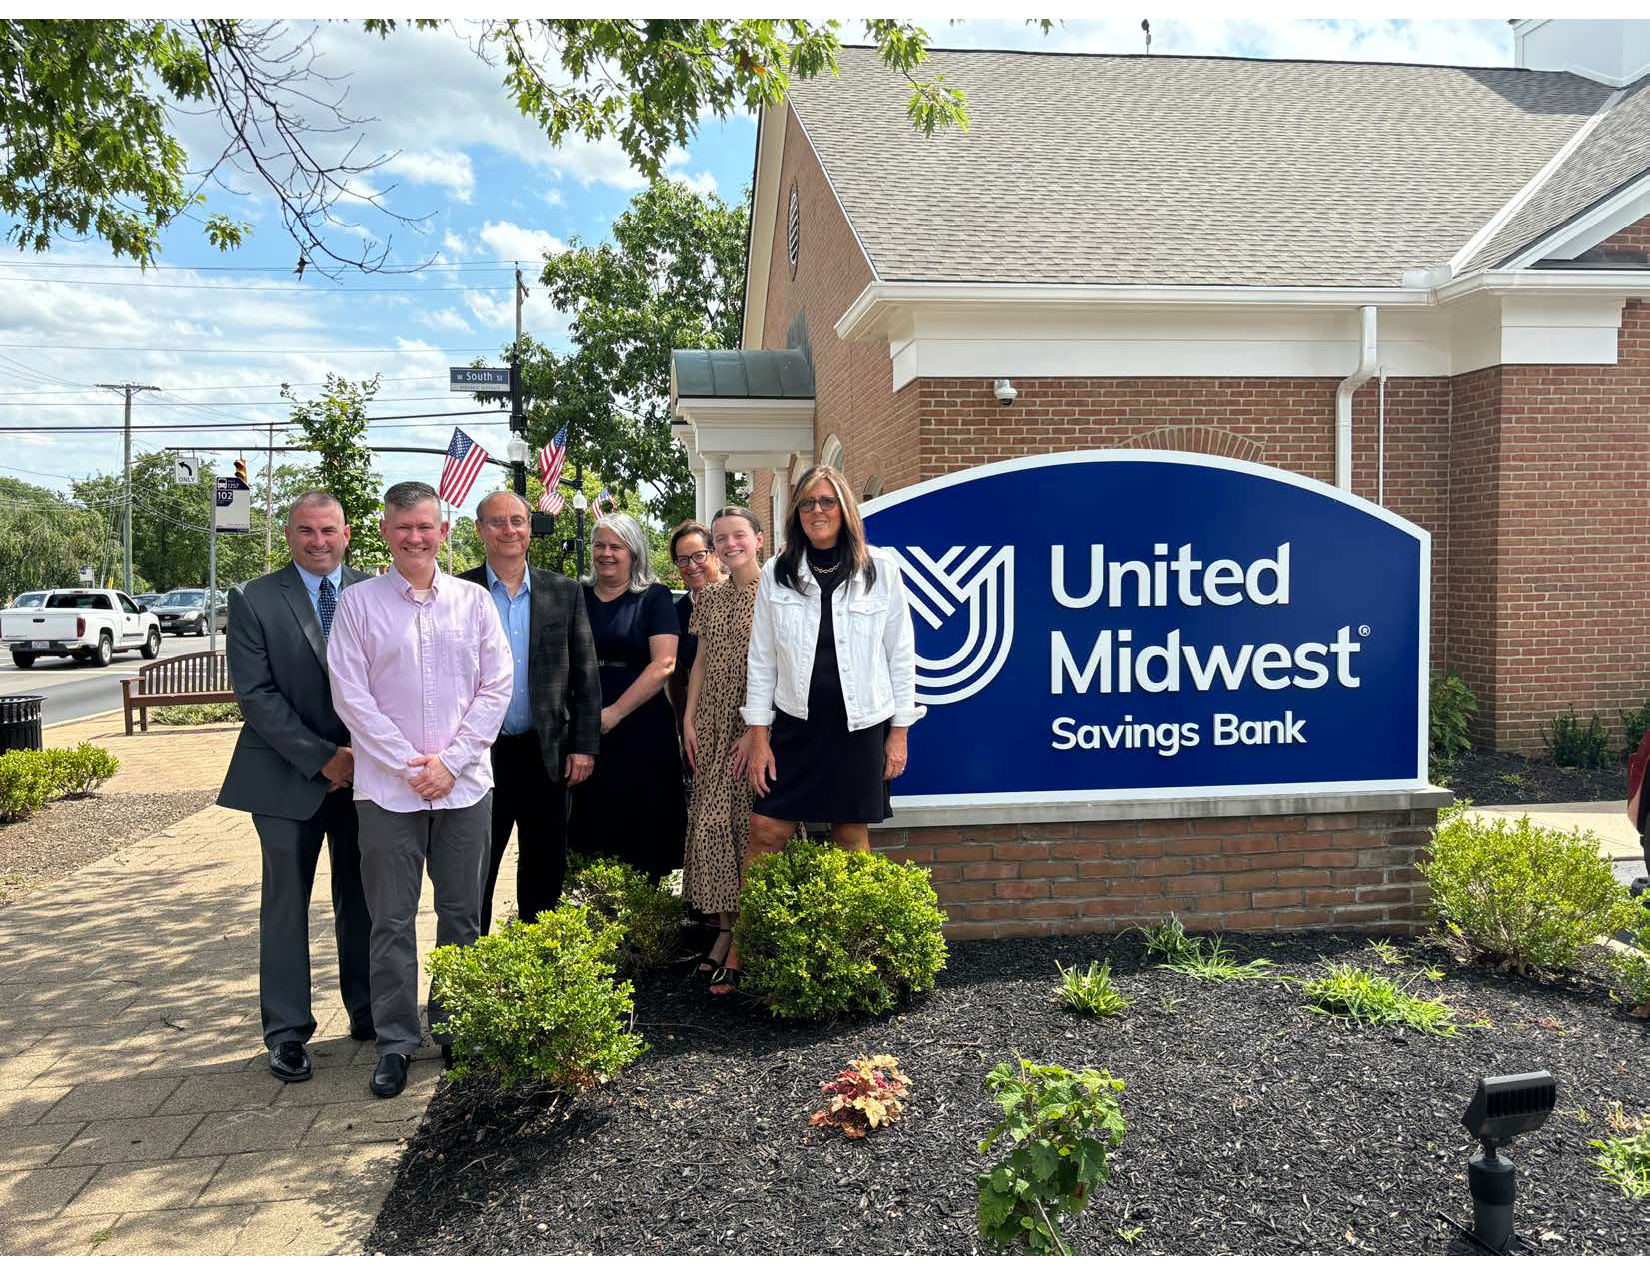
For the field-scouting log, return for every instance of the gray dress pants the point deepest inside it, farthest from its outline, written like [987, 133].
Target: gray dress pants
[396, 850]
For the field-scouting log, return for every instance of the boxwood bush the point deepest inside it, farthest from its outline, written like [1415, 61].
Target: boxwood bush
[649, 915]
[26, 784]
[79, 771]
[824, 931]
[1528, 897]
[539, 1002]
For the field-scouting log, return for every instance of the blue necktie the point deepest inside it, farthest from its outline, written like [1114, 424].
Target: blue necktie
[328, 603]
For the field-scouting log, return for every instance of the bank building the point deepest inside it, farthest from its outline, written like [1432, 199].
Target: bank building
[1424, 287]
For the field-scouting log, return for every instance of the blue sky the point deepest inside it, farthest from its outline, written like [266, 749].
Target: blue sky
[219, 332]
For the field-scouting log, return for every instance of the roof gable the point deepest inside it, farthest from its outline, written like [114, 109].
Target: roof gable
[1201, 171]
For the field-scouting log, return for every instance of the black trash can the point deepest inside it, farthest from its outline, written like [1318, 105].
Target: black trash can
[20, 722]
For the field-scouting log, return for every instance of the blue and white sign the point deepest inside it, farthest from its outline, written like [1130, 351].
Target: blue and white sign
[1111, 625]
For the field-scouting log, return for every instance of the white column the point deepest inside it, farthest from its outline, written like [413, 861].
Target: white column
[716, 485]
[781, 506]
[698, 495]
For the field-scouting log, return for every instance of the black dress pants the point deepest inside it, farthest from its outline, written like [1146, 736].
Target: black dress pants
[532, 801]
[291, 850]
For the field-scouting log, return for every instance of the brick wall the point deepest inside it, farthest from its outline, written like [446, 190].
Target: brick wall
[1341, 871]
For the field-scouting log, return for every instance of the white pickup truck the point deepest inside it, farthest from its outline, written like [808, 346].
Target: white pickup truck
[86, 625]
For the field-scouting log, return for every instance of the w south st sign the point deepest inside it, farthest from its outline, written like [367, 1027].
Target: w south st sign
[1113, 625]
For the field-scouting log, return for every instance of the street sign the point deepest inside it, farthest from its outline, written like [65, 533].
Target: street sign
[232, 507]
[467, 380]
[85, 575]
[186, 469]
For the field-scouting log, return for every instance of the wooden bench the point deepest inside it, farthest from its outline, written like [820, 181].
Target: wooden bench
[200, 678]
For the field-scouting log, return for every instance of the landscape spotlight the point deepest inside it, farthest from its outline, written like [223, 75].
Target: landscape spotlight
[1502, 1107]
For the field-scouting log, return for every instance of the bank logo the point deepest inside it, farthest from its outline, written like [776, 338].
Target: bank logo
[967, 596]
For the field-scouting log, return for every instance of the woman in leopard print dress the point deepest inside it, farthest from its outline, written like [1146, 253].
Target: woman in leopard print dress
[712, 729]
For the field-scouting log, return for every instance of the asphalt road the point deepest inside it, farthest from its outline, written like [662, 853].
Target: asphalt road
[80, 690]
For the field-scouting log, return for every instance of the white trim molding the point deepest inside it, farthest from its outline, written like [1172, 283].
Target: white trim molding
[748, 433]
[1629, 204]
[770, 156]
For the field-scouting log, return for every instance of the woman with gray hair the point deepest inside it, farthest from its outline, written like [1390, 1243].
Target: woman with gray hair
[632, 807]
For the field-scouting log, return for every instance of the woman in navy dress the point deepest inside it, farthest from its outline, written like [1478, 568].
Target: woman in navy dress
[633, 806]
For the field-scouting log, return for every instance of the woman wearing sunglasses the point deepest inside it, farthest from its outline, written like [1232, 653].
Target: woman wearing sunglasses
[830, 679]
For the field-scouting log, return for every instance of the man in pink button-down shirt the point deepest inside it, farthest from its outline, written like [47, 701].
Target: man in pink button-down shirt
[421, 675]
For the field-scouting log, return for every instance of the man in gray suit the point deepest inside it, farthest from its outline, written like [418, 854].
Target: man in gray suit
[292, 770]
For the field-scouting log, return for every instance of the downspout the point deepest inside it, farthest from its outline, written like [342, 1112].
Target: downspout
[1367, 351]
[1380, 447]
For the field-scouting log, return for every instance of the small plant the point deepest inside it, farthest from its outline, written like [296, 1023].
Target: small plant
[1169, 940]
[1213, 964]
[27, 783]
[195, 714]
[1634, 723]
[1630, 966]
[81, 770]
[1090, 991]
[649, 916]
[1345, 991]
[1060, 1125]
[1452, 708]
[539, 1002]
[864, 1096]
[1513, 779]
[1389, 955]
[1527, 897]
[1169, 1006]
[1433, 974]
[1625, 1162]
[824, 931]
[1569, 743]
[1130, 1234]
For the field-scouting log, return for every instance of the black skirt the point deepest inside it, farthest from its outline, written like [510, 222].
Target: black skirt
[826, 772]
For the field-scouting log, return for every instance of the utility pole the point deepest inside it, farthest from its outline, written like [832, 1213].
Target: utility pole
[128, 389]
[269, 496]
[518, 415]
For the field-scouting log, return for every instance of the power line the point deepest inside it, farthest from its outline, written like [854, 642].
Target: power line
[312, 349]
[108, 265]
[287, 290]
[186, 428]
[173, 400]
[260, 385]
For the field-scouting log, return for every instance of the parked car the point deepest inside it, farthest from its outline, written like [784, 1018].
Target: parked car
[27, 601]
[147, 599]
[184, 611]
[80, 624]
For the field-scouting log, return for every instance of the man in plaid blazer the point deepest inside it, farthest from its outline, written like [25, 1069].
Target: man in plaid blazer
[553, 727]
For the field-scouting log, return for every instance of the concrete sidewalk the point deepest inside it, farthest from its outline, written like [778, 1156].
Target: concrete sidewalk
[1607, 820]
[137, 1113]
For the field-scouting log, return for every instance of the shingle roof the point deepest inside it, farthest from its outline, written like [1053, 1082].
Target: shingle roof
[1615, 152]
[1157, 170]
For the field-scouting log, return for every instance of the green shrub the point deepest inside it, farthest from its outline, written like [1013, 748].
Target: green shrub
[195, 714]
[1634, 722]
[1091, 991]
[1061, 1125]
[79, 771]
[1626, 1162]
[1452, 707]
[1530, 897]
[539, 1002]
[1168, 939]
[27, 783]
[1631, 967]
[825, 931]
[649, 916]
[1569, 743]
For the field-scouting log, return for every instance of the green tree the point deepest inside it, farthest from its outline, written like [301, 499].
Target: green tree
[45, 540]
[87, 143]
[334, 427]
[673, 277]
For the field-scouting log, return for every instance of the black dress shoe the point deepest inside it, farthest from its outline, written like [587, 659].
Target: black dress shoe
[390, 1076]
[361, 1028]
[289, 1061]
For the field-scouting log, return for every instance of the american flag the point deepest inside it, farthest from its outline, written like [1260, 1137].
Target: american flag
[551, 460]
[604, 505]
[465, 457]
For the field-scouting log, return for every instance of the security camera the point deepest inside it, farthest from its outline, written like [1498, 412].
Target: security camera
[1005, 391]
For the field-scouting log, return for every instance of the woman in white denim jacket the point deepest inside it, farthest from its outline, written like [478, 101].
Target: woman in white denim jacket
[830, 686]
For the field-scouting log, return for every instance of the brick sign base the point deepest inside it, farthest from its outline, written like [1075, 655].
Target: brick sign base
[1350, 869]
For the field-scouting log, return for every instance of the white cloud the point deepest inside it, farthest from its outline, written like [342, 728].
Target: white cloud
[448, 169]
[554, 198]
[454, 246]
[447, 319]
[703, 181]
[510, 242]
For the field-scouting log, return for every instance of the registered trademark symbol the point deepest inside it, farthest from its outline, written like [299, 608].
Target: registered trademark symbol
[1363, 630]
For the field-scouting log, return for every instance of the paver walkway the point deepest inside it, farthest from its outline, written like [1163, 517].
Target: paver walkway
[137, 1113]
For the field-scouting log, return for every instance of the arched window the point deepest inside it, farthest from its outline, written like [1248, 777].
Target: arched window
[873, 487]
[830, 452]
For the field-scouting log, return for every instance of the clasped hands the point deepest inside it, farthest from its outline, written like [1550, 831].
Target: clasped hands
[430, 778]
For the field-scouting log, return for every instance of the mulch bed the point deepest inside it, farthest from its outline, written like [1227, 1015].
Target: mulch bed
[1255, 1125]
[69, 834]
[1506, 779]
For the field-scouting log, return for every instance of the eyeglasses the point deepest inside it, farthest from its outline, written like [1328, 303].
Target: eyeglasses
[694, 559]
[825, 504]
[499, 524]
